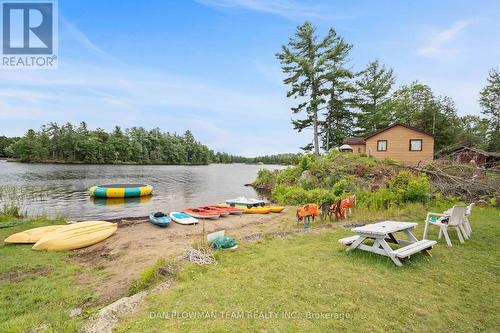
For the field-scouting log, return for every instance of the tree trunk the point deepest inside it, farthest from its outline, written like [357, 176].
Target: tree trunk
[315, 131]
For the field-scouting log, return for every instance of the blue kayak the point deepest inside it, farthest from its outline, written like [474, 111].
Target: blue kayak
[159, 219]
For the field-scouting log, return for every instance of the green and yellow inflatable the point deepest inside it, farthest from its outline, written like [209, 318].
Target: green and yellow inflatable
[120, 190]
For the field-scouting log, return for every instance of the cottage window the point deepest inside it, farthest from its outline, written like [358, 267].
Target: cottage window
[382, 145]
[416, 145]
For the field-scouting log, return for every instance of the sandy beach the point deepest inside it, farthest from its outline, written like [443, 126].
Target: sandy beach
[138, 244]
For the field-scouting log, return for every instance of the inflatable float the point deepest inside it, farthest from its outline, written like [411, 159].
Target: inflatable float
[120, 190]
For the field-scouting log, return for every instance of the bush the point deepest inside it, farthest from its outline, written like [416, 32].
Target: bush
[296, 195]
[265, 179]
[409, 187]
[381, 199]
[316, 179]
[306, 162]
[343, 186]
[288, 176]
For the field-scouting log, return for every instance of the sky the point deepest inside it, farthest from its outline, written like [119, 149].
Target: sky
[209, 65]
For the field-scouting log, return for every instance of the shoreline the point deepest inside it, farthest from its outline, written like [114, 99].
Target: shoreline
[126, 163]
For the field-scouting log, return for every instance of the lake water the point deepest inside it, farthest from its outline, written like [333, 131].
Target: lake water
[58, 189]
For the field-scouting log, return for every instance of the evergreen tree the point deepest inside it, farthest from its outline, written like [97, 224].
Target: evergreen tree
[305, 60]
[373, 91]
[489, 99]
[135, 145]
[339, 119]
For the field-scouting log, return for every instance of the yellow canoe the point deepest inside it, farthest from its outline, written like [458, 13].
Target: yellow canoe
[76, 236]
[32, 235]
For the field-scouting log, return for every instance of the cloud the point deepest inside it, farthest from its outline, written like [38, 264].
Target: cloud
[105, 92]
[285, 8]
[82, 39]
[438, 44]
[224, 117]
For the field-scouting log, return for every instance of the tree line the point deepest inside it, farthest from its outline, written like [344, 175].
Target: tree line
[285, 159]
[338, 102]
[78, 144]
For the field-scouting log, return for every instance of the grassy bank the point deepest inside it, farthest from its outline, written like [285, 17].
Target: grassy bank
[323, 288]
[38, 288]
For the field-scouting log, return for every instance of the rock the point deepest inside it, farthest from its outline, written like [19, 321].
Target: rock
[305, 176]
[106, 319]
[75, 312]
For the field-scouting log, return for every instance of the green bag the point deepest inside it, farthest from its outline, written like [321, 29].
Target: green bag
[223, 242]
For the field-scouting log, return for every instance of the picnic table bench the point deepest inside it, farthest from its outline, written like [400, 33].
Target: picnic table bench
[382, 233]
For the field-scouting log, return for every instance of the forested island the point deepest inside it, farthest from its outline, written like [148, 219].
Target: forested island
[79, 144]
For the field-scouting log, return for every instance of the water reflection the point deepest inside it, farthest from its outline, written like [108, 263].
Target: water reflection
[125, 202]
[56, 189]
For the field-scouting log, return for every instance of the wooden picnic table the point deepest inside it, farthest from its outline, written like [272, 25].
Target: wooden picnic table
[382, 234]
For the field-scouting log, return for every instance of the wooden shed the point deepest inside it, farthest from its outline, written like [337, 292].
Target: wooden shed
[479, 157]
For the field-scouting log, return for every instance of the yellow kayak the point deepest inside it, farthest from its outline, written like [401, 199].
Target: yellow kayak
[276, 209]
[76, 236]
[32, 235]
[254, 210]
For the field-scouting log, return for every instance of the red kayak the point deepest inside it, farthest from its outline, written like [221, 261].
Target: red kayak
[216, 210]
[201, 213]
[231, 210]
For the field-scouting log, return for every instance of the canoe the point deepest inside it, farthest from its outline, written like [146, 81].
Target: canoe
[159, 219]
[201, 213]
[242, 201]
[216, 210]
[120, 190]
[76, 236]
[231, 210]
[182, 218]
[32, 235]
[255, 210]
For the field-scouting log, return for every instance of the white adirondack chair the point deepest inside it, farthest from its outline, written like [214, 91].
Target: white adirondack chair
[455, 220]
[466, 223]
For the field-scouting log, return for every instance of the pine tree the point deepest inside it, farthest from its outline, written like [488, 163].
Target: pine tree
[306, 60]
[373, 91]
[339, 118]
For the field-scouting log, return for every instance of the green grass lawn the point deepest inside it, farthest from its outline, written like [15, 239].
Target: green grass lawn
[38, 287]
[311, 277]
